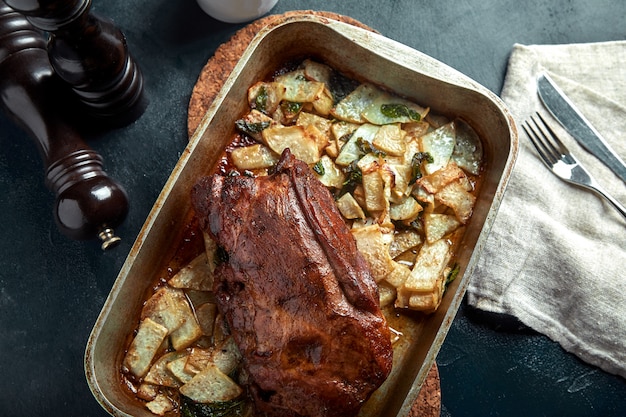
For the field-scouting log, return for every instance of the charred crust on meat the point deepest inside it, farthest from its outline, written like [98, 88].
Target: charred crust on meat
[221, 255]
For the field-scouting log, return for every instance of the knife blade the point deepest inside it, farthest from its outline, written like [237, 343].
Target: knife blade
[563, 110]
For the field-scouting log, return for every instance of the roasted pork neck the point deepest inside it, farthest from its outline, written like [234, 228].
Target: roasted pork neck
[295, 292]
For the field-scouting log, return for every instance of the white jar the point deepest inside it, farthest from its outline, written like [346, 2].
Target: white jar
[236, 11]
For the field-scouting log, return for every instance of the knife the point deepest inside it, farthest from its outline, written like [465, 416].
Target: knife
[577, 125]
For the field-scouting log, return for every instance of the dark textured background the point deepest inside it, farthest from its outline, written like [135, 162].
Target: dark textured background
[52, 289]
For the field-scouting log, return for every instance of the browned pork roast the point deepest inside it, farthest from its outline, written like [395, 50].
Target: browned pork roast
[297, 295]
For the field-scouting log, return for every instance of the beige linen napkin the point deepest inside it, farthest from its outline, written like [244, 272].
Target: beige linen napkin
[556, 255]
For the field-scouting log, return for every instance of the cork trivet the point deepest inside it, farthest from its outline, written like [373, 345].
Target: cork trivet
[209, 83]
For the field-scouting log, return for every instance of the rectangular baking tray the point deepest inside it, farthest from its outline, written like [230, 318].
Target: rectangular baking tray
[366, 56]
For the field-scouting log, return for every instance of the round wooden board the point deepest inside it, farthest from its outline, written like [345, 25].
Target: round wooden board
[209, 83]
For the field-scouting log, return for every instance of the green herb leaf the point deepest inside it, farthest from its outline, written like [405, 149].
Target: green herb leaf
[340, 86]
[416, 165]
[396, 111]
[290, 108]
[366, 147]
[234, 408]
[354, 176]
[453, 274]
[260, 102]
[319, 168]
[249, 128]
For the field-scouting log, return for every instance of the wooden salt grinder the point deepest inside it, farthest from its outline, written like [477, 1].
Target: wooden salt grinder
[89, 204]
[89, 53]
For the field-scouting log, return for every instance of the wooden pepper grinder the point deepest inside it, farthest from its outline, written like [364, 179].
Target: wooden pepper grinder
[89, 53]
[89, 204]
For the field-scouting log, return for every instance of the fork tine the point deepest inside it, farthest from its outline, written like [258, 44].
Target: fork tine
[544, 137]
[535, 137]
[553, 141]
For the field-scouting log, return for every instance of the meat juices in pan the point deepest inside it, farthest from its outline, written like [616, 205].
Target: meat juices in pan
[296, 293]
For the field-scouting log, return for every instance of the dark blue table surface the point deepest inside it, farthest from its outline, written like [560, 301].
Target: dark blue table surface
[52, 289]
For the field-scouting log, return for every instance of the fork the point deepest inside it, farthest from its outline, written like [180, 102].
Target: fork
[561, 162]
